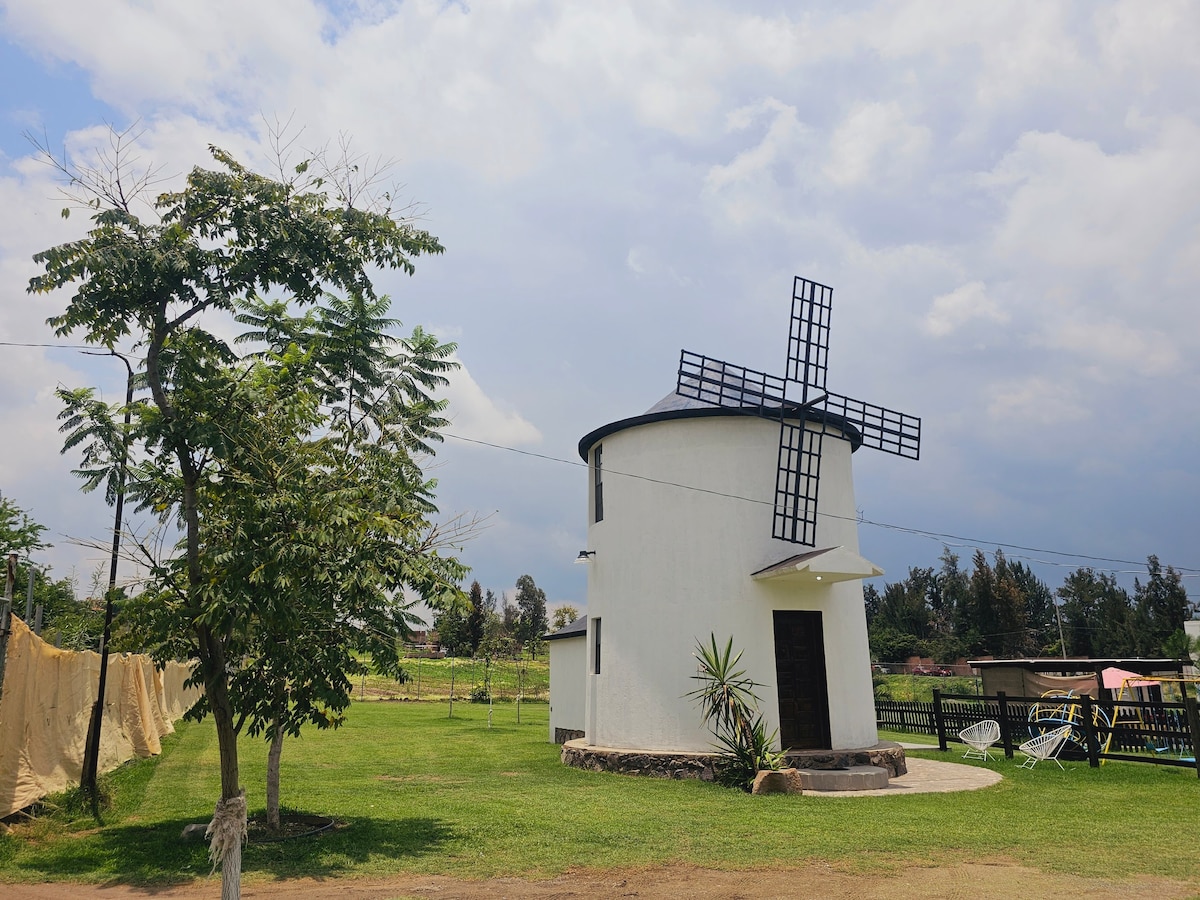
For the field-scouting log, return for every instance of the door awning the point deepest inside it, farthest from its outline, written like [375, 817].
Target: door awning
[826, 566]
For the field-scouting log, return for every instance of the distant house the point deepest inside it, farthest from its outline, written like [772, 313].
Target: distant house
[568, 659]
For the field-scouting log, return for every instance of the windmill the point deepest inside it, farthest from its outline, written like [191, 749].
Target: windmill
[806, 416]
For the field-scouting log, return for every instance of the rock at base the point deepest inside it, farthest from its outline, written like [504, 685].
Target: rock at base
[783, 781]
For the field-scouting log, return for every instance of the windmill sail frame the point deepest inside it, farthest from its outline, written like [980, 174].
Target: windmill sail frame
[818, 411]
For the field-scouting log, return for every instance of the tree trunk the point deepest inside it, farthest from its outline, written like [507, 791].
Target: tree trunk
[273, 777]
[231, 861]
[217, 689]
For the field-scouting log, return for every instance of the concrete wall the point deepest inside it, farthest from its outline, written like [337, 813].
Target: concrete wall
[673, 566]
[568, 661]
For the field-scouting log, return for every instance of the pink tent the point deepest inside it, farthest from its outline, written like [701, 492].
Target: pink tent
[1114, 679]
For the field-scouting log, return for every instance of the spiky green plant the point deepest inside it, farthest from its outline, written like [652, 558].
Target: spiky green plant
[730, 708]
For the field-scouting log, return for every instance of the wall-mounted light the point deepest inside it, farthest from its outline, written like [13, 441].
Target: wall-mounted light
[585, 556]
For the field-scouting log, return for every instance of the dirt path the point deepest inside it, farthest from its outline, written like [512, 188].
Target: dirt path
[971, 881]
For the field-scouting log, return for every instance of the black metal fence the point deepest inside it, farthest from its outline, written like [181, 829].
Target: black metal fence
[1133, 731]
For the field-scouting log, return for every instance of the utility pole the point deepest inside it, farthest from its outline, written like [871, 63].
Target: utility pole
[6, 613]
[29, 595]
[1062, 643]
[91, 750]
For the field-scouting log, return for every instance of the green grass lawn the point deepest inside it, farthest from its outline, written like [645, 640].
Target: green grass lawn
[920, 687]
[420, 792]
[433, 679]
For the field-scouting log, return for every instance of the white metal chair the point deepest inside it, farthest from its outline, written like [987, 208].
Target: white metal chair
[1046, 745]
[979, 737]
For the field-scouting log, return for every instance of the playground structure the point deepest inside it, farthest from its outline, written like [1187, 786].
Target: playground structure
[1058, 708]
[1132, 695]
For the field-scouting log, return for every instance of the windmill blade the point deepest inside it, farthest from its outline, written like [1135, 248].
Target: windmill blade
[881, 428]
[808, 337]
[796, 481]
[724, 384]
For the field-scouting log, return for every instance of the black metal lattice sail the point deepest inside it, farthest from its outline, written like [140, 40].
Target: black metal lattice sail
[806, 411]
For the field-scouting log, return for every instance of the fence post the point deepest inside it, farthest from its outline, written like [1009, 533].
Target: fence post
[451, 716]
[6, 614]
[1005, 724]
[938, 722]
[1193, 717]
[1091, 740]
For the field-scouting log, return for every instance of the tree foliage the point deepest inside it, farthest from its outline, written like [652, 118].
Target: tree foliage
[564, 616]
[531, 619]
[230, 449]
[19, 533]
[1000, 608]
[67, 622]
[477, 618]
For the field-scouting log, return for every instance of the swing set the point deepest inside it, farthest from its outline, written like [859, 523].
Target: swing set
[1137, 710]
[1133, 696]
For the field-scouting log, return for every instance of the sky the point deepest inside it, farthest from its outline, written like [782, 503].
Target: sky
[1005, 199]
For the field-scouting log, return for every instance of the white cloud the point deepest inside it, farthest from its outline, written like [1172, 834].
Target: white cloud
[951, 311]
[875, 142]
[1112, 349]
[476, 416]
[1068, 203]
[745, 190]
[772, 149]
[1032, 167]
[1147, 40]
[1020, 404]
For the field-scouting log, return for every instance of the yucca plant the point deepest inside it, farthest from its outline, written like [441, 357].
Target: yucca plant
[730, 708]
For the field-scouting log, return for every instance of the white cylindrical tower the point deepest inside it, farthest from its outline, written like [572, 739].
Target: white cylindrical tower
[680, 521]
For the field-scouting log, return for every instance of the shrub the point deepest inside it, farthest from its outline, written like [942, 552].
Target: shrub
[730, 708]
[480, 694]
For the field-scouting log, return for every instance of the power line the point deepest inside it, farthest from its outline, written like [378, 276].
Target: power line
[51, 346]
[959, 540]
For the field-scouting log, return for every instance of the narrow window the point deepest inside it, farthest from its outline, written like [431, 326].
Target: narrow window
[598, 483]
[596, 646]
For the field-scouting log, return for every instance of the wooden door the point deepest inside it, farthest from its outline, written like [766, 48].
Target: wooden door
[800, 673]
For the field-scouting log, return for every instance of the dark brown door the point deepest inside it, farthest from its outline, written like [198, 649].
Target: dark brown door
[803, 690]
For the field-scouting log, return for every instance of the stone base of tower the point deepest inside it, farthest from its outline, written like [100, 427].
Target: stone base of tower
[677, 764]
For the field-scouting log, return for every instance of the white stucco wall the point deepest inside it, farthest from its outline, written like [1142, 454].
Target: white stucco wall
[673, 565]
[568, 659]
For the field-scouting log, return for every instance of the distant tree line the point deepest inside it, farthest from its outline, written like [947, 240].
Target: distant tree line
[66, 622]
[496, 627]
[1000, 608]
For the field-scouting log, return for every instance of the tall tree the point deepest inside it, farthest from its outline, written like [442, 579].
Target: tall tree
[227, 238]
[904, 606]
[954, 587]
[531, 612]
[476, 618]
[1042, 626]
[310, 544]
[66, 622]
[452, 629]
[1160, 607]
[19, 533]
[871, 602]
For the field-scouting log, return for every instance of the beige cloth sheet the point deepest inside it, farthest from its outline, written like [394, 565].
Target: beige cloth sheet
[46, 706]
